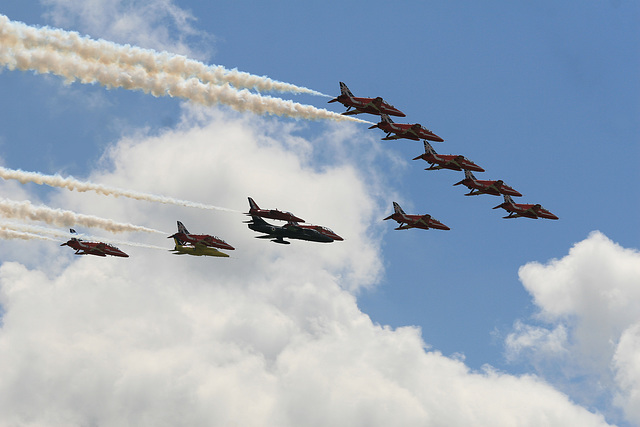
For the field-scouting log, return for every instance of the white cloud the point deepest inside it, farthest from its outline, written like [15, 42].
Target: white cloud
[155, 24]
[271, 336]
[591, 299]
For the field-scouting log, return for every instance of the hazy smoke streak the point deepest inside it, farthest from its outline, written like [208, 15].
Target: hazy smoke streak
[6, 233]
[130, 56]
[43, 232]
[71, 183]
[72, 67]
[64, 218]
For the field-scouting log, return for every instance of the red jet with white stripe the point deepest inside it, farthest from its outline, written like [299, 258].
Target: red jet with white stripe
[375, 106]
[254, 210]
[446, 161]
[414, 131]
[93, 248]
[414, 221]
[203, 240]
[517, 210]
[478, 186]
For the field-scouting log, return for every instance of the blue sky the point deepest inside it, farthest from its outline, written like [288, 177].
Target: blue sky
[544, 96]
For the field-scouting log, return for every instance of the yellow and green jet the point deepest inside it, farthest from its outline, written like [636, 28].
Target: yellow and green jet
[197, 250]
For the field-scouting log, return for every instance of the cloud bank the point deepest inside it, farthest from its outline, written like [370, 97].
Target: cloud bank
[271, 336]
[588, 328]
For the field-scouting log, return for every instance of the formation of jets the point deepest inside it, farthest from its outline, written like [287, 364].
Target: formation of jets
[210, 245]
[416, 132]
[295, 227]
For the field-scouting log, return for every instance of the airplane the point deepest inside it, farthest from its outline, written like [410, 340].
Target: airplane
[414, 221]
[291, 230]
[495, 188]
[93, 248]
[182, 248]
[322, 230]
[271, 213]
[518, 210]
[196, 240]
[446, 161]
[375, 106]
[409, 131]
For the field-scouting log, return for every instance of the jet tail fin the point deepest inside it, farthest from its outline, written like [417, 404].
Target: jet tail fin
[428, 149]
[344, 90]
[397, 210]
[253, 204]
[182, 228]
[507, 201]
[257, 220]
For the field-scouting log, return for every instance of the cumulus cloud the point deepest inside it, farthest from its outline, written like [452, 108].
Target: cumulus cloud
[589, 315]
[155, 24]
[271, 336]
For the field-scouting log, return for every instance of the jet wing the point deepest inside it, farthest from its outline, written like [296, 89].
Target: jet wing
[99, 249]
[424, 221]
[93, 251]
[352, 112]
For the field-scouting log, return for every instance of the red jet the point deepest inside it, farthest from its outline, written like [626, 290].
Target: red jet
[446, 161]
[414, 221]
[93, 248]
[409, 131]
[254, 210]
[183, 235]
[375, 106]
[495, 188]
[530, 211]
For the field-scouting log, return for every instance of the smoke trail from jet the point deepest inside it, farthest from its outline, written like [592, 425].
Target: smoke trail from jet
[6, 233]
[72, 184]
[45, 59]
[73, 68]
[44, 233]
[64, 218]
[106, 52]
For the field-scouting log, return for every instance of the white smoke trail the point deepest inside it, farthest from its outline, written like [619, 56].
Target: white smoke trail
[6, 233]
[13, 54]
[71, 183]
[44, 232]
[13, 32]
[73, 68]
[59, 217]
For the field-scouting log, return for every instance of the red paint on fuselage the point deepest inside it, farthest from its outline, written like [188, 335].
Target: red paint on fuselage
[94, 248]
